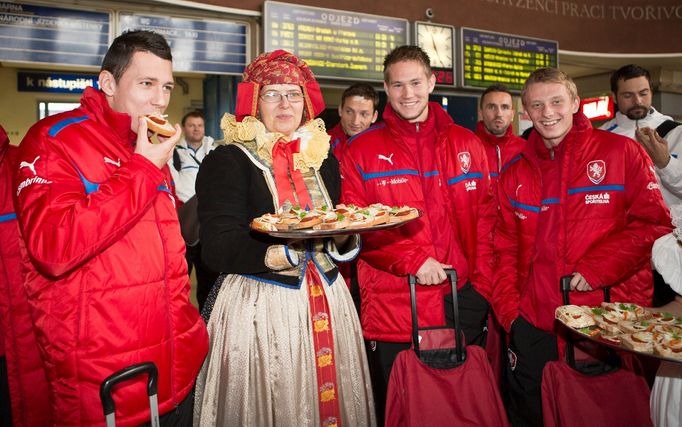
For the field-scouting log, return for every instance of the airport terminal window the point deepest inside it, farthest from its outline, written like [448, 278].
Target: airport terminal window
[47, 108]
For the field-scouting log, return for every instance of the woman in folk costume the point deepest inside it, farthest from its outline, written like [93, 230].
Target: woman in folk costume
[286, 346]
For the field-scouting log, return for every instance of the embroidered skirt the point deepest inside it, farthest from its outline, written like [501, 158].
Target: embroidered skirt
[262, 367]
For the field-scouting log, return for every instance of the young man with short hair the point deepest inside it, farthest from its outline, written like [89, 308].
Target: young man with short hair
[579, 202]
[496, 113]
[103, 263]
[357, 112]
[418, 157]
[189, 152]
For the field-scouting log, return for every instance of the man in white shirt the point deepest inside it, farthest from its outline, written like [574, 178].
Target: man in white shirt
[659, 135]
[187, 157]
[631, 87]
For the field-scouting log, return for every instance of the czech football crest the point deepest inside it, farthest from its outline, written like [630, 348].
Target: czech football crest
[464, 161]
[596, 171]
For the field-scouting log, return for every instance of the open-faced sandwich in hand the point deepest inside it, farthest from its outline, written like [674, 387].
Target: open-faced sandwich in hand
[157, 123]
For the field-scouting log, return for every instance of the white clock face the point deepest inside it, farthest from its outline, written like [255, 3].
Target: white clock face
[436, 41]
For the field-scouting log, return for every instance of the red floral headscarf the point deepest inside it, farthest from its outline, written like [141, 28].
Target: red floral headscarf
[278, 67]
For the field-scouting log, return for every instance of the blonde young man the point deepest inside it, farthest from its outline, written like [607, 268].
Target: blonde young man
[579, 202]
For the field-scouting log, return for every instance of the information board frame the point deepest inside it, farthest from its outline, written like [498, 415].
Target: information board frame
[342, 17]
[513, 87]
[238, 67]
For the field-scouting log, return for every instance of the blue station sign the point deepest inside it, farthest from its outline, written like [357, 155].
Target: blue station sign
[28, 81]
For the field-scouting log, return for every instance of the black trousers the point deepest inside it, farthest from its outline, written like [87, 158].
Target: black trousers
[663, 293]
[5, 407]
[529, 350]
[473, 313]
[205, 277]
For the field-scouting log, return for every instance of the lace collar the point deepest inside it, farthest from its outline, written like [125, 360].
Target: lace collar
[250, 131]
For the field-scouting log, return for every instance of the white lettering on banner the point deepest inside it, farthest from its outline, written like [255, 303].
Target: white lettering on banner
[70, 85]
[601, 198]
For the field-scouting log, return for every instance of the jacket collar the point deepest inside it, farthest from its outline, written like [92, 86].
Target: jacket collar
[95, 103]
[437, 119]
[491, 139]
[575, 139]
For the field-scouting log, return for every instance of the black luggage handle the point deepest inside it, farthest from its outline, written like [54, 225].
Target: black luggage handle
[125, 374]
[452, 277]
[565, 288]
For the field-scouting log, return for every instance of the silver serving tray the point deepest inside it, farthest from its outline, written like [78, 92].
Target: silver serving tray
[309, 233]
[598, 339]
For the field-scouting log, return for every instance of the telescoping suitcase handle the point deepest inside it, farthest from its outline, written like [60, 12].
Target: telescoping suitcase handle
[105, 390]
[614, 360]
[452, 277]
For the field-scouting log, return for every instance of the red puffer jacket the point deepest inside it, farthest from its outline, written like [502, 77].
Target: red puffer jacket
[610, 211]
[500, 150]
[338, 141]
[25, 372]
[105, 273]
[390, 163]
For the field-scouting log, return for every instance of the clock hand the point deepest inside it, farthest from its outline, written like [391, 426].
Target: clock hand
[435, 48]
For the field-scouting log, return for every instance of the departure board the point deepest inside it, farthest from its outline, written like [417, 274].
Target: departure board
[335, 44]
[198, 45]
[53, 35]
[488, 58]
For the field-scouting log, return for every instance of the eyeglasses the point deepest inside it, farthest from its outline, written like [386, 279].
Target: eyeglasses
[273, 97]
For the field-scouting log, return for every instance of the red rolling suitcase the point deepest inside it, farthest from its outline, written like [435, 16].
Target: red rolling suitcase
[610, 392]
[439, 382]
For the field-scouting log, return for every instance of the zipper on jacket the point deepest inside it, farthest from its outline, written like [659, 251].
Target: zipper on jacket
[417, 126]
[499, 158]
[551, 153]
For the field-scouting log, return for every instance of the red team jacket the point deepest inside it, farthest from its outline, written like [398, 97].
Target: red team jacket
[389, 163]
[338, 140]
[25, 373]
[105, 274]
[499, 150]
[609, 211]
